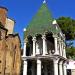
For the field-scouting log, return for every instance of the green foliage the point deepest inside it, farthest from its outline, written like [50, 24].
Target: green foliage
[70, 52]
[67, 26]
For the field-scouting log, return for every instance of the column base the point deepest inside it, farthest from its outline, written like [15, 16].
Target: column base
[32, 55]
[43, 54]
[23, 56]
[56, 53]
[64, 56]
[37, 53]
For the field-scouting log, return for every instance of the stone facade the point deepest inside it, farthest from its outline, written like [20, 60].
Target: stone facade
[3, 15]
[10, 48]
[9, 25]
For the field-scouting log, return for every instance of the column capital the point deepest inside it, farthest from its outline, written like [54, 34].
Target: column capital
[59, 39]
[25, 40]
[61, 62]
[24, 43]
[65, 63]
[55, 35]
[34, 38]
[25, 61]
[56, 61]
[43, 36]
[38, 61]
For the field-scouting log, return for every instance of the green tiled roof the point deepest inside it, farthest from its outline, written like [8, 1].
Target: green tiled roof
[41, 22]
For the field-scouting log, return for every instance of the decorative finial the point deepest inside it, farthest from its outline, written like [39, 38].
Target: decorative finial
[54, 22]
[44, 1]
[24, 29]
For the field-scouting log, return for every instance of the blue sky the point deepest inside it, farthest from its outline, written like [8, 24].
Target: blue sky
[22, 11]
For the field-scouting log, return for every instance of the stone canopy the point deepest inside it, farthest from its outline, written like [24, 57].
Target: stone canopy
[41, 23]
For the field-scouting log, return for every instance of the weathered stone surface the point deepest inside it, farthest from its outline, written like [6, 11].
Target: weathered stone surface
[10, 56]
[2, 56]
[17, 62]
[9, 25]
[10, 48]
[3, 15]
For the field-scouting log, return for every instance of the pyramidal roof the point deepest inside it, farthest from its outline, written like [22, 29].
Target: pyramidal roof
[41, 22]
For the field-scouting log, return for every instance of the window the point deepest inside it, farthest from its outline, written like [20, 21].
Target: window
[69, 72]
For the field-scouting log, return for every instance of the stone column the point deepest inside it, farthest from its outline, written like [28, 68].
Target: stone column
[60, 50]
[24, 51]
[25, 67]
[38, 67]
[55, 66]
[46, 47]
[60, 68]
[62, 47]
[37, 49]
[34, 45]
[64, 52]
[44, 44]
[65, 69]
[55, 43]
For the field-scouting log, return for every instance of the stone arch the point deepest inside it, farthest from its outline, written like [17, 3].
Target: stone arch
[39, 44]
[50, 42]
[29, 46]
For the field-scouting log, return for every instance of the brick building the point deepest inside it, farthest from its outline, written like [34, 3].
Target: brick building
[10, 48]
